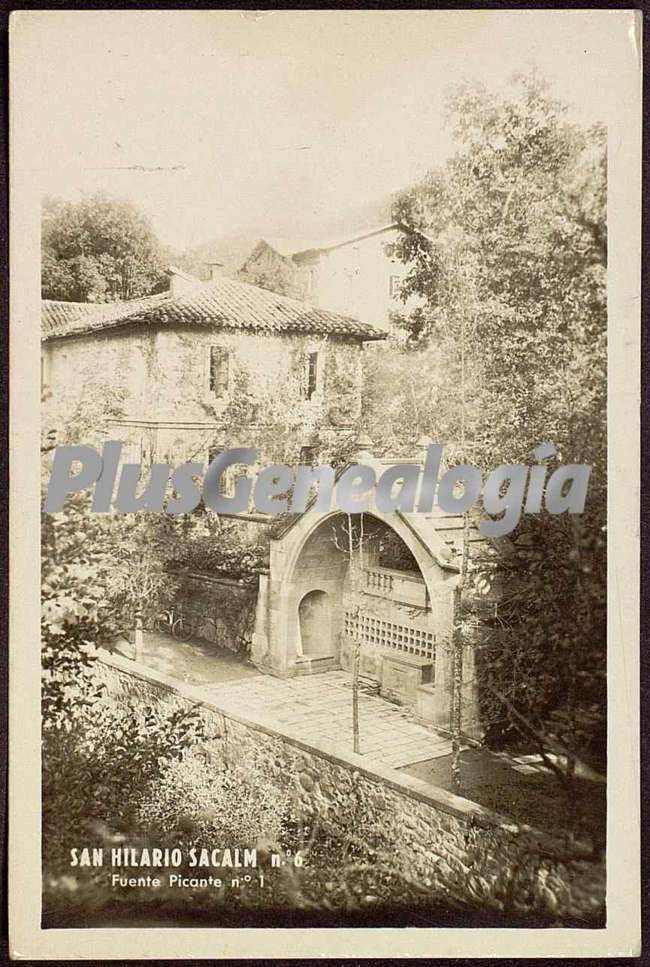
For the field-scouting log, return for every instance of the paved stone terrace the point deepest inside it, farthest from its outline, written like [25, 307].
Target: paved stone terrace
[319, 708]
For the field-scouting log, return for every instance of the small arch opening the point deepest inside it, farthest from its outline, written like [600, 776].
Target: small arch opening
[315, 619]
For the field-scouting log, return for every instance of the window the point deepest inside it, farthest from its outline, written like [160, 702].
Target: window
[312, 374]
[224, 479]
[307, 456]
[395, 284]
[45, 369]
[219, 370]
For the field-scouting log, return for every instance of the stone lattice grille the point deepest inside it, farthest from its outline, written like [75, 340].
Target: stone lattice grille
[389, 636]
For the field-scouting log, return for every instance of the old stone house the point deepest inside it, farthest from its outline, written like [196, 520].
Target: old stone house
[205, 367]
[358, 274]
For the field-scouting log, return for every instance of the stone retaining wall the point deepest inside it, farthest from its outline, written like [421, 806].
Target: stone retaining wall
[229, 604]
[453, 847]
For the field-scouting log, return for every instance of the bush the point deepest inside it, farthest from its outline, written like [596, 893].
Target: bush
[99, 767]
[211, 804]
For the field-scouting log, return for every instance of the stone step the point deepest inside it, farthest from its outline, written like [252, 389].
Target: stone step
[313, 666]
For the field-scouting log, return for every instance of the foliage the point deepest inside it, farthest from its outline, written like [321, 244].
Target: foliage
[75, 612]
[97, 572]
[203, 542]
[225, 556]
[393, 552]
[506, 247]
[140, 583]
[341, 375]
[513, 259]
[98, 250]
[209, 804]
[543, 651]
[415, 406]
[99, 766]
[85, 419]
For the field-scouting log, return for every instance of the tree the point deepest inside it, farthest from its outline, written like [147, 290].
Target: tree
[98, 572]
[506, 247]
[510, 237]
[75, 612]
[98, 250]
[350, 539]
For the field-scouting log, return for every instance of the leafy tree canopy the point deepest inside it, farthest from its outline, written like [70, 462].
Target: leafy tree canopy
[98, 250]
[506, 248]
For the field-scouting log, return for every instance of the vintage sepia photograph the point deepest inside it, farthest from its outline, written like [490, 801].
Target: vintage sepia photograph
[324, 531]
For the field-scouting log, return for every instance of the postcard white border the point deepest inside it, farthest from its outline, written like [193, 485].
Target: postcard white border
[621, 937]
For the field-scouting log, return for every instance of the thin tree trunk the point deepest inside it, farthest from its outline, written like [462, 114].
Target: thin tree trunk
[457, 633]
[457, 664]
[355, 700]
[138, 638]
[356, 743]
[456, 693]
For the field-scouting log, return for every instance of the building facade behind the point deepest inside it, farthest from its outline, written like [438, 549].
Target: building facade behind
[358, 276]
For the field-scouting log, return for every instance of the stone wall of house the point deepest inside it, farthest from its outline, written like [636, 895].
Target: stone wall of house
[168, 411]
[456, 849]
[104, 373]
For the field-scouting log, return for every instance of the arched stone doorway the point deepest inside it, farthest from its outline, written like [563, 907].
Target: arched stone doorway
[319, 587]
[311, 615]
[315, 625]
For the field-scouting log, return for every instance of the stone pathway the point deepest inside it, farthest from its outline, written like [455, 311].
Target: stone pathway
[193, 662]
[319, 708]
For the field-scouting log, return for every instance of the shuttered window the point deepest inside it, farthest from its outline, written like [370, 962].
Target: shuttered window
[312, 374]
[307, 456]
[219, 370]
[225, 480]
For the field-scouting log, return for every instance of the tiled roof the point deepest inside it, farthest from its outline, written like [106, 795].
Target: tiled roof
[66, 318]
[223, 303]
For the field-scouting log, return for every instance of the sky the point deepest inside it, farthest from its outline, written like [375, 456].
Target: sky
[219, 123]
